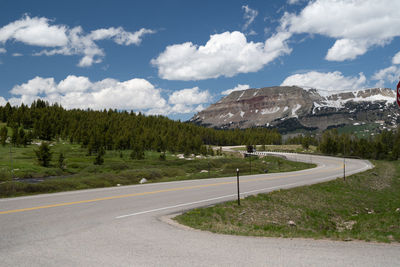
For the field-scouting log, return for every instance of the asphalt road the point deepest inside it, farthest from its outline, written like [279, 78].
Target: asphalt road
[123, 226]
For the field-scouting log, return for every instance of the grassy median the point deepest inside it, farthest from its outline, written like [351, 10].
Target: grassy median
[365, 207]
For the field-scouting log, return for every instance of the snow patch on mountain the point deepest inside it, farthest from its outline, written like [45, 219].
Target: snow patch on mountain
[295, 109]
[270, 110]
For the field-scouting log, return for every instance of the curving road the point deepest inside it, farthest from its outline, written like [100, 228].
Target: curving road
[122, 226]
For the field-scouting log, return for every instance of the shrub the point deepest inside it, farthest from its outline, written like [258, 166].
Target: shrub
[44, 154]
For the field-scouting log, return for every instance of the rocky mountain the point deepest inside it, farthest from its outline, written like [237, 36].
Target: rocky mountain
[290, 108]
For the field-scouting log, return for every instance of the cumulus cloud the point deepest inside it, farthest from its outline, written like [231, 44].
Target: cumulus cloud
[238, 87]
[356, 25]
[188, 100]
[17, 55]
[249, 16]
[80, 92]
[390, 74]
[189, 96]
[329, 81]
[3, 101]
[67, 41]
[396, 59]
[2, 50]
[34, 31]
[135, 94]
[76, 84]
[36, 86]
[225, 54]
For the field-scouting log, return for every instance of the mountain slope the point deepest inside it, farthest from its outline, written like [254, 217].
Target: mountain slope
[290, 108]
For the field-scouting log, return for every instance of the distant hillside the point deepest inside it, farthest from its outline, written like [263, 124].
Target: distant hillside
[290, 108]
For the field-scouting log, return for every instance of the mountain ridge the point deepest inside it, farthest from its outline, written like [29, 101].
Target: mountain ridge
[310, 109]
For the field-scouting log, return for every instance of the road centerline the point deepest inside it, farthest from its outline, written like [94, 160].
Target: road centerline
[152, 192]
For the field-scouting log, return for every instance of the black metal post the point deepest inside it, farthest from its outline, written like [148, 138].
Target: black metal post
[344, 161]
[209, 174]
[11, 163]
[238, 190]
[250, 163]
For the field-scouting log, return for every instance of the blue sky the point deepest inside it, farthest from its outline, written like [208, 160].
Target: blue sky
[176, 57]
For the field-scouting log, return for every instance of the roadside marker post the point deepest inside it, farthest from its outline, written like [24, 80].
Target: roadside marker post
[11, 163]
[238, 191]
[209, 169]
[344, 160]
[344, 170]
[250, 162]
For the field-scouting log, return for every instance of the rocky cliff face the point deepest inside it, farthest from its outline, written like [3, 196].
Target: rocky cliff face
[291, 108]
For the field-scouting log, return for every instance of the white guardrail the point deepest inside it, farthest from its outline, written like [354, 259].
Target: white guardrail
[288, 155]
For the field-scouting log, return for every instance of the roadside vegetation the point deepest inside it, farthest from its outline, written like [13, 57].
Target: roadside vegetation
[364, 207]
[70, 168]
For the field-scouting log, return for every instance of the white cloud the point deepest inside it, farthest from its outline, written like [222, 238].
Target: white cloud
[188, 100]
[181, 109]
[199, 108]
[249, 16]
[225, 54]
[74, 84]
[2, 50]
[251, 32]
[396, 58]
[356, 25]
[344, 49]
[238, 87]
[34, 31]
[34, 87]
[293, 2]
[65, 41]
[3, 101]
[330, 81]
[190, 96]
[17, 55]
[135, 94]
[80, 92]
[120, 36]
[390, 74]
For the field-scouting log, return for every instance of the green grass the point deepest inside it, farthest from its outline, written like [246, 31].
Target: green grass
[361, 131]
[363, 207]
[81, 173]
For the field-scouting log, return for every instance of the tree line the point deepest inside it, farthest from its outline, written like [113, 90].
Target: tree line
[120, 130]
[385, 145]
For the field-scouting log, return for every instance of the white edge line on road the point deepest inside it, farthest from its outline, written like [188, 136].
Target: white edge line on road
[243, 193]
[92, 190]
[175, 206]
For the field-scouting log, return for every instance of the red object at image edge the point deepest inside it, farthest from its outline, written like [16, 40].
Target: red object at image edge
[398, 94]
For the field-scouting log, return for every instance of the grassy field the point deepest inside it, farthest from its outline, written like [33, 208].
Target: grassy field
[365, 207]
[118, 168]
[361, 131]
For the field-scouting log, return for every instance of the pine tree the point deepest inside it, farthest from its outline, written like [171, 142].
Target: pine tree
[44, 154]
[22, 139]
[99, 160]
[137, 151]
[3, 135]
